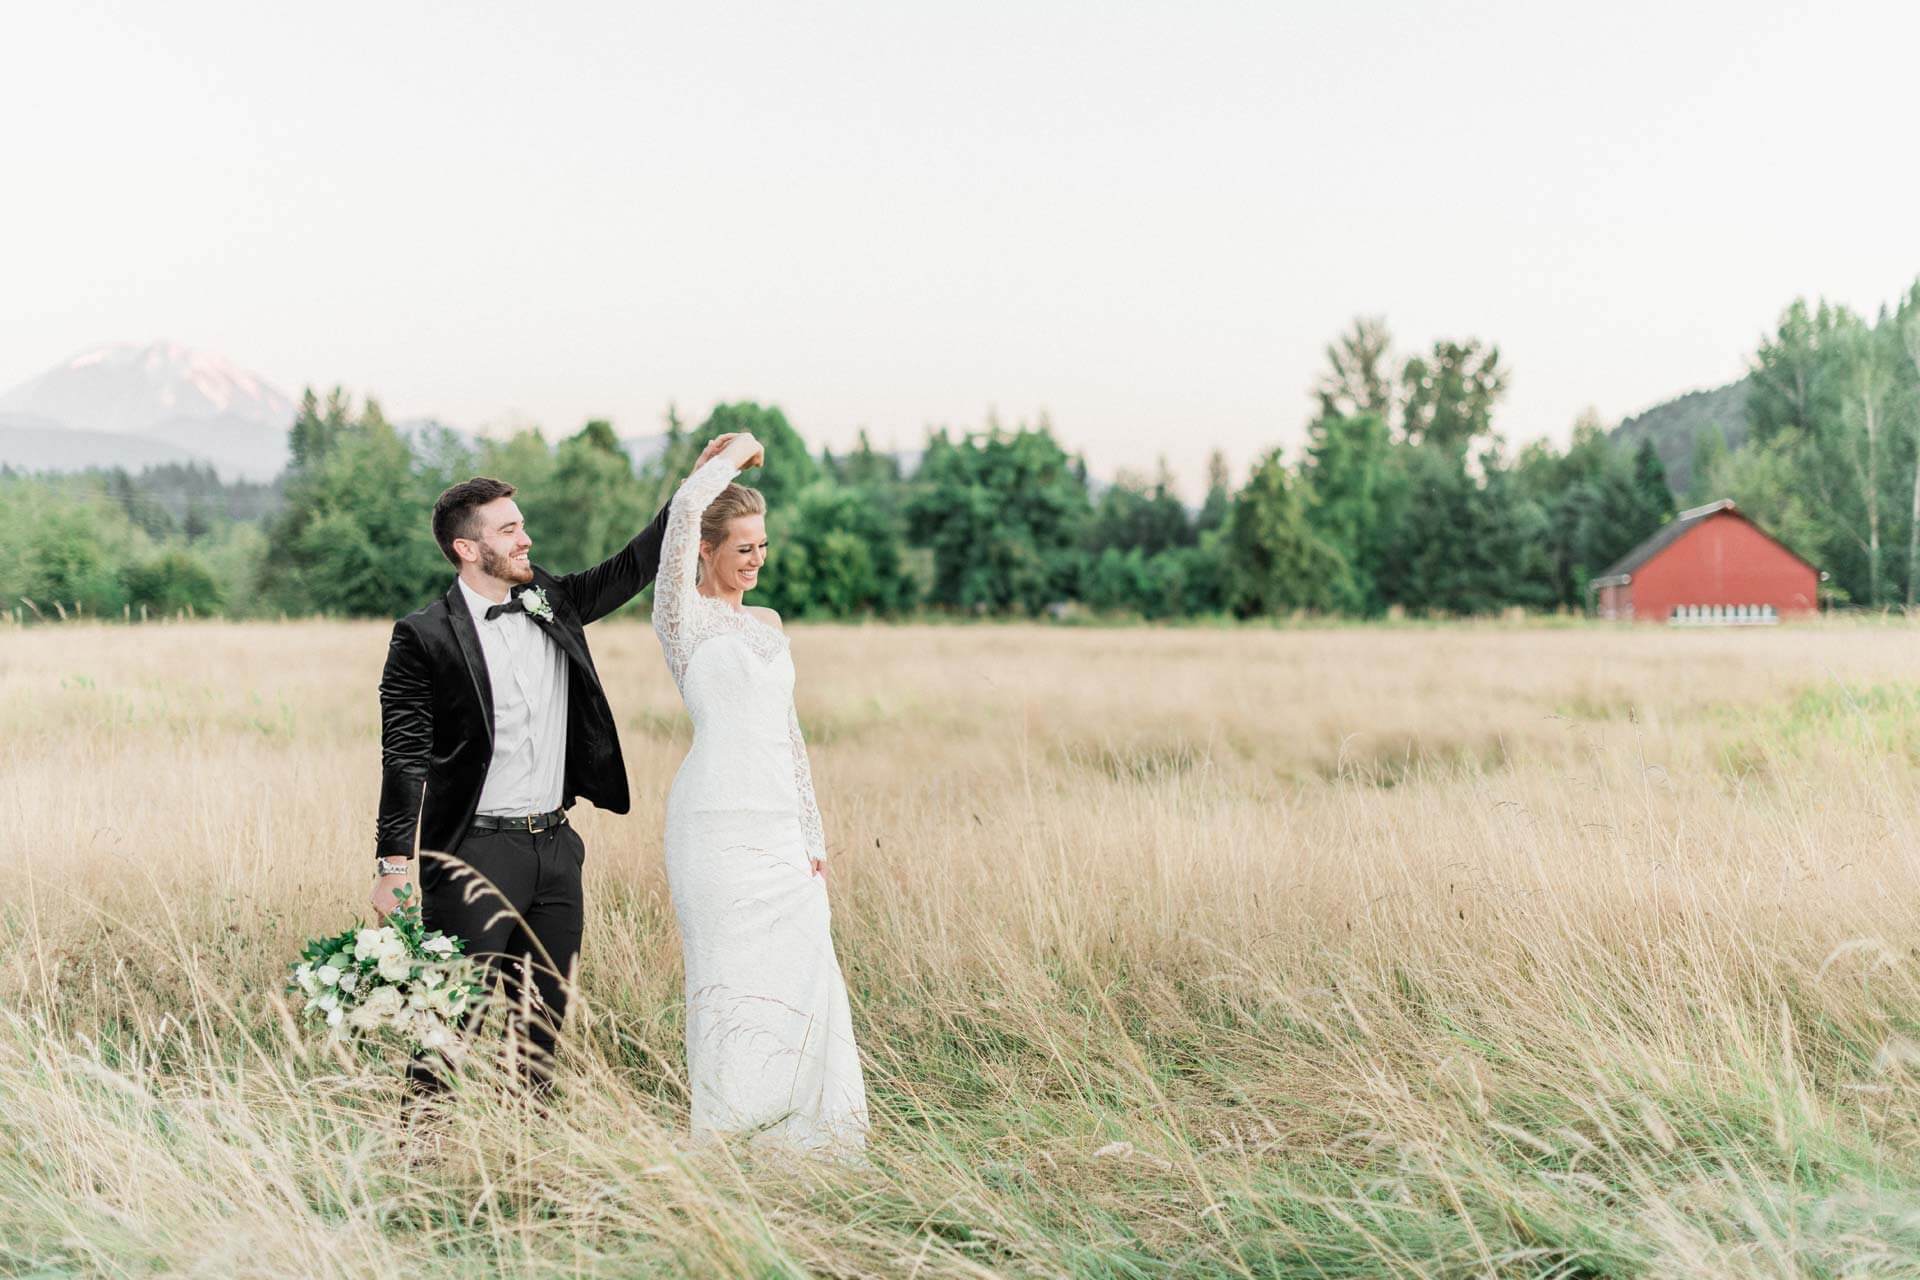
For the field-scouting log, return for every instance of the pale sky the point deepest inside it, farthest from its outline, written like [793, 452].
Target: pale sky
[1144, 219]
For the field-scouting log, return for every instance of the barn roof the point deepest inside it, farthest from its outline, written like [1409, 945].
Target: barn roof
[1670, 533]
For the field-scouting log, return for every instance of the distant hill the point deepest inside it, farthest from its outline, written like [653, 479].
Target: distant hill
[1674, 425]
[31, 444]
[137, 406]
[131, 405]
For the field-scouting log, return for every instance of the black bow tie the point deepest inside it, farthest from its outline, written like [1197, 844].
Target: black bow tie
[516, 605]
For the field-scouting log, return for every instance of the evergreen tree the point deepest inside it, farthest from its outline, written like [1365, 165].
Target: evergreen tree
[1559, 485]
[1612, 517]
[1343, 472]
[355, 537]
[1468, 545]
[1219, 500]
[1278, 562]
[315, 428]
[1650, 482]
[1517, 567]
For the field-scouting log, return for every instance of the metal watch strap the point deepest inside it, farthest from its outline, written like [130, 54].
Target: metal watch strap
[394, 866]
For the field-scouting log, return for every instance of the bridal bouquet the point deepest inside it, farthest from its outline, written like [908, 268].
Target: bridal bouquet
[394, 979]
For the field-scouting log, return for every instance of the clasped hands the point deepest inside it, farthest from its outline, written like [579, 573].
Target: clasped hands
[745, 450]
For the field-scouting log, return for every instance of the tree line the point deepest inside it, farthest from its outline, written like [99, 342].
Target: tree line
[1403, 499]
[1833, 465]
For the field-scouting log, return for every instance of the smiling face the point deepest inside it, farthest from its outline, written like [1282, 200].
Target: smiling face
[733, 565]
[496, 542]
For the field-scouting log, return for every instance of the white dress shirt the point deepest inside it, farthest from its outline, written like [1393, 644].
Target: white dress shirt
[528, 673]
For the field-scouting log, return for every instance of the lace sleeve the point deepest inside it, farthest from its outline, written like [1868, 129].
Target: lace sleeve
[673, 589]
[810, 828]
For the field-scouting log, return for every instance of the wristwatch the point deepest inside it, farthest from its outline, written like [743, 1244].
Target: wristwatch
[395, 866]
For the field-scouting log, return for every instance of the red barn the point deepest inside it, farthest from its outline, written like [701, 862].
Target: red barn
[1709, 566]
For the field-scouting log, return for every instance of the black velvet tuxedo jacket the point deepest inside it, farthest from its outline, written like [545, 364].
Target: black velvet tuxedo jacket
[436, 703]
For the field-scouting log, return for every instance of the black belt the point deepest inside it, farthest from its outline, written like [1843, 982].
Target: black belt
[531, 823]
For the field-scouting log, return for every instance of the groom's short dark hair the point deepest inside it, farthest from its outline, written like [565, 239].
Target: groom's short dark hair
[453, 512]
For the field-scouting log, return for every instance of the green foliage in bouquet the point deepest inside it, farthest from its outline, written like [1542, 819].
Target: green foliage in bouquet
[394, 980]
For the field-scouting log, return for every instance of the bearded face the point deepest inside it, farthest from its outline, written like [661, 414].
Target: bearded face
[498, 535]
[504, 566]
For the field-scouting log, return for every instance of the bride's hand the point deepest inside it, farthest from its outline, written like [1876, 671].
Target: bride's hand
[819, 868]
[715, 447]
[745, 451]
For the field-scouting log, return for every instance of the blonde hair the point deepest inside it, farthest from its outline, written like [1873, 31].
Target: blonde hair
[735, 500]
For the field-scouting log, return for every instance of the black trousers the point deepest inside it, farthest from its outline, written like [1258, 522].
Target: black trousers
[514, 898]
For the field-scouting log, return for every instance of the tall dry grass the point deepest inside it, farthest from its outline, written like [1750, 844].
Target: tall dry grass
[1484, 950]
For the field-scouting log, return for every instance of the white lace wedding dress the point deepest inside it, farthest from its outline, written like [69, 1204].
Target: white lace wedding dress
[770, 1048]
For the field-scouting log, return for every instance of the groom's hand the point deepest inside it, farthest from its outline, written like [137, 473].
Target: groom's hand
[384, 897]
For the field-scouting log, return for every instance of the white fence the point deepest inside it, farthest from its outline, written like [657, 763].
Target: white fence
[1724, 615]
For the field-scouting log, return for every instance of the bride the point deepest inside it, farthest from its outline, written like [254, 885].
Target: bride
[769, 1036]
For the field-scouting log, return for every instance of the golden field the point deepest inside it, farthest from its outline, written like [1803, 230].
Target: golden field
[1477, 950]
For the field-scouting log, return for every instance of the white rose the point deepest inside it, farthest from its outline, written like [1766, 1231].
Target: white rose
[396, 968]
[433, 978]
[334, 1016]
[349, 980]
[438, 946]
[327, 974]
[330, 1002]
[365, 943]
[383, 1001]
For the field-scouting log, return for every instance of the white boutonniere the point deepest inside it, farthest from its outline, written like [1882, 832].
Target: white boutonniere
[536, 603]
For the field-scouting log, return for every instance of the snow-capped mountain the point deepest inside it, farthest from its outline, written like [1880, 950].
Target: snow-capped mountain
[174, 397]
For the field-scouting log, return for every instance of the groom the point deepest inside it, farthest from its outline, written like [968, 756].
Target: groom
[492, 722]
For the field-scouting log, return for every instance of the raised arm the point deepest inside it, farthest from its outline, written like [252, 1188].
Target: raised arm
[673, 589]
[598, 591]
[811, 829]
